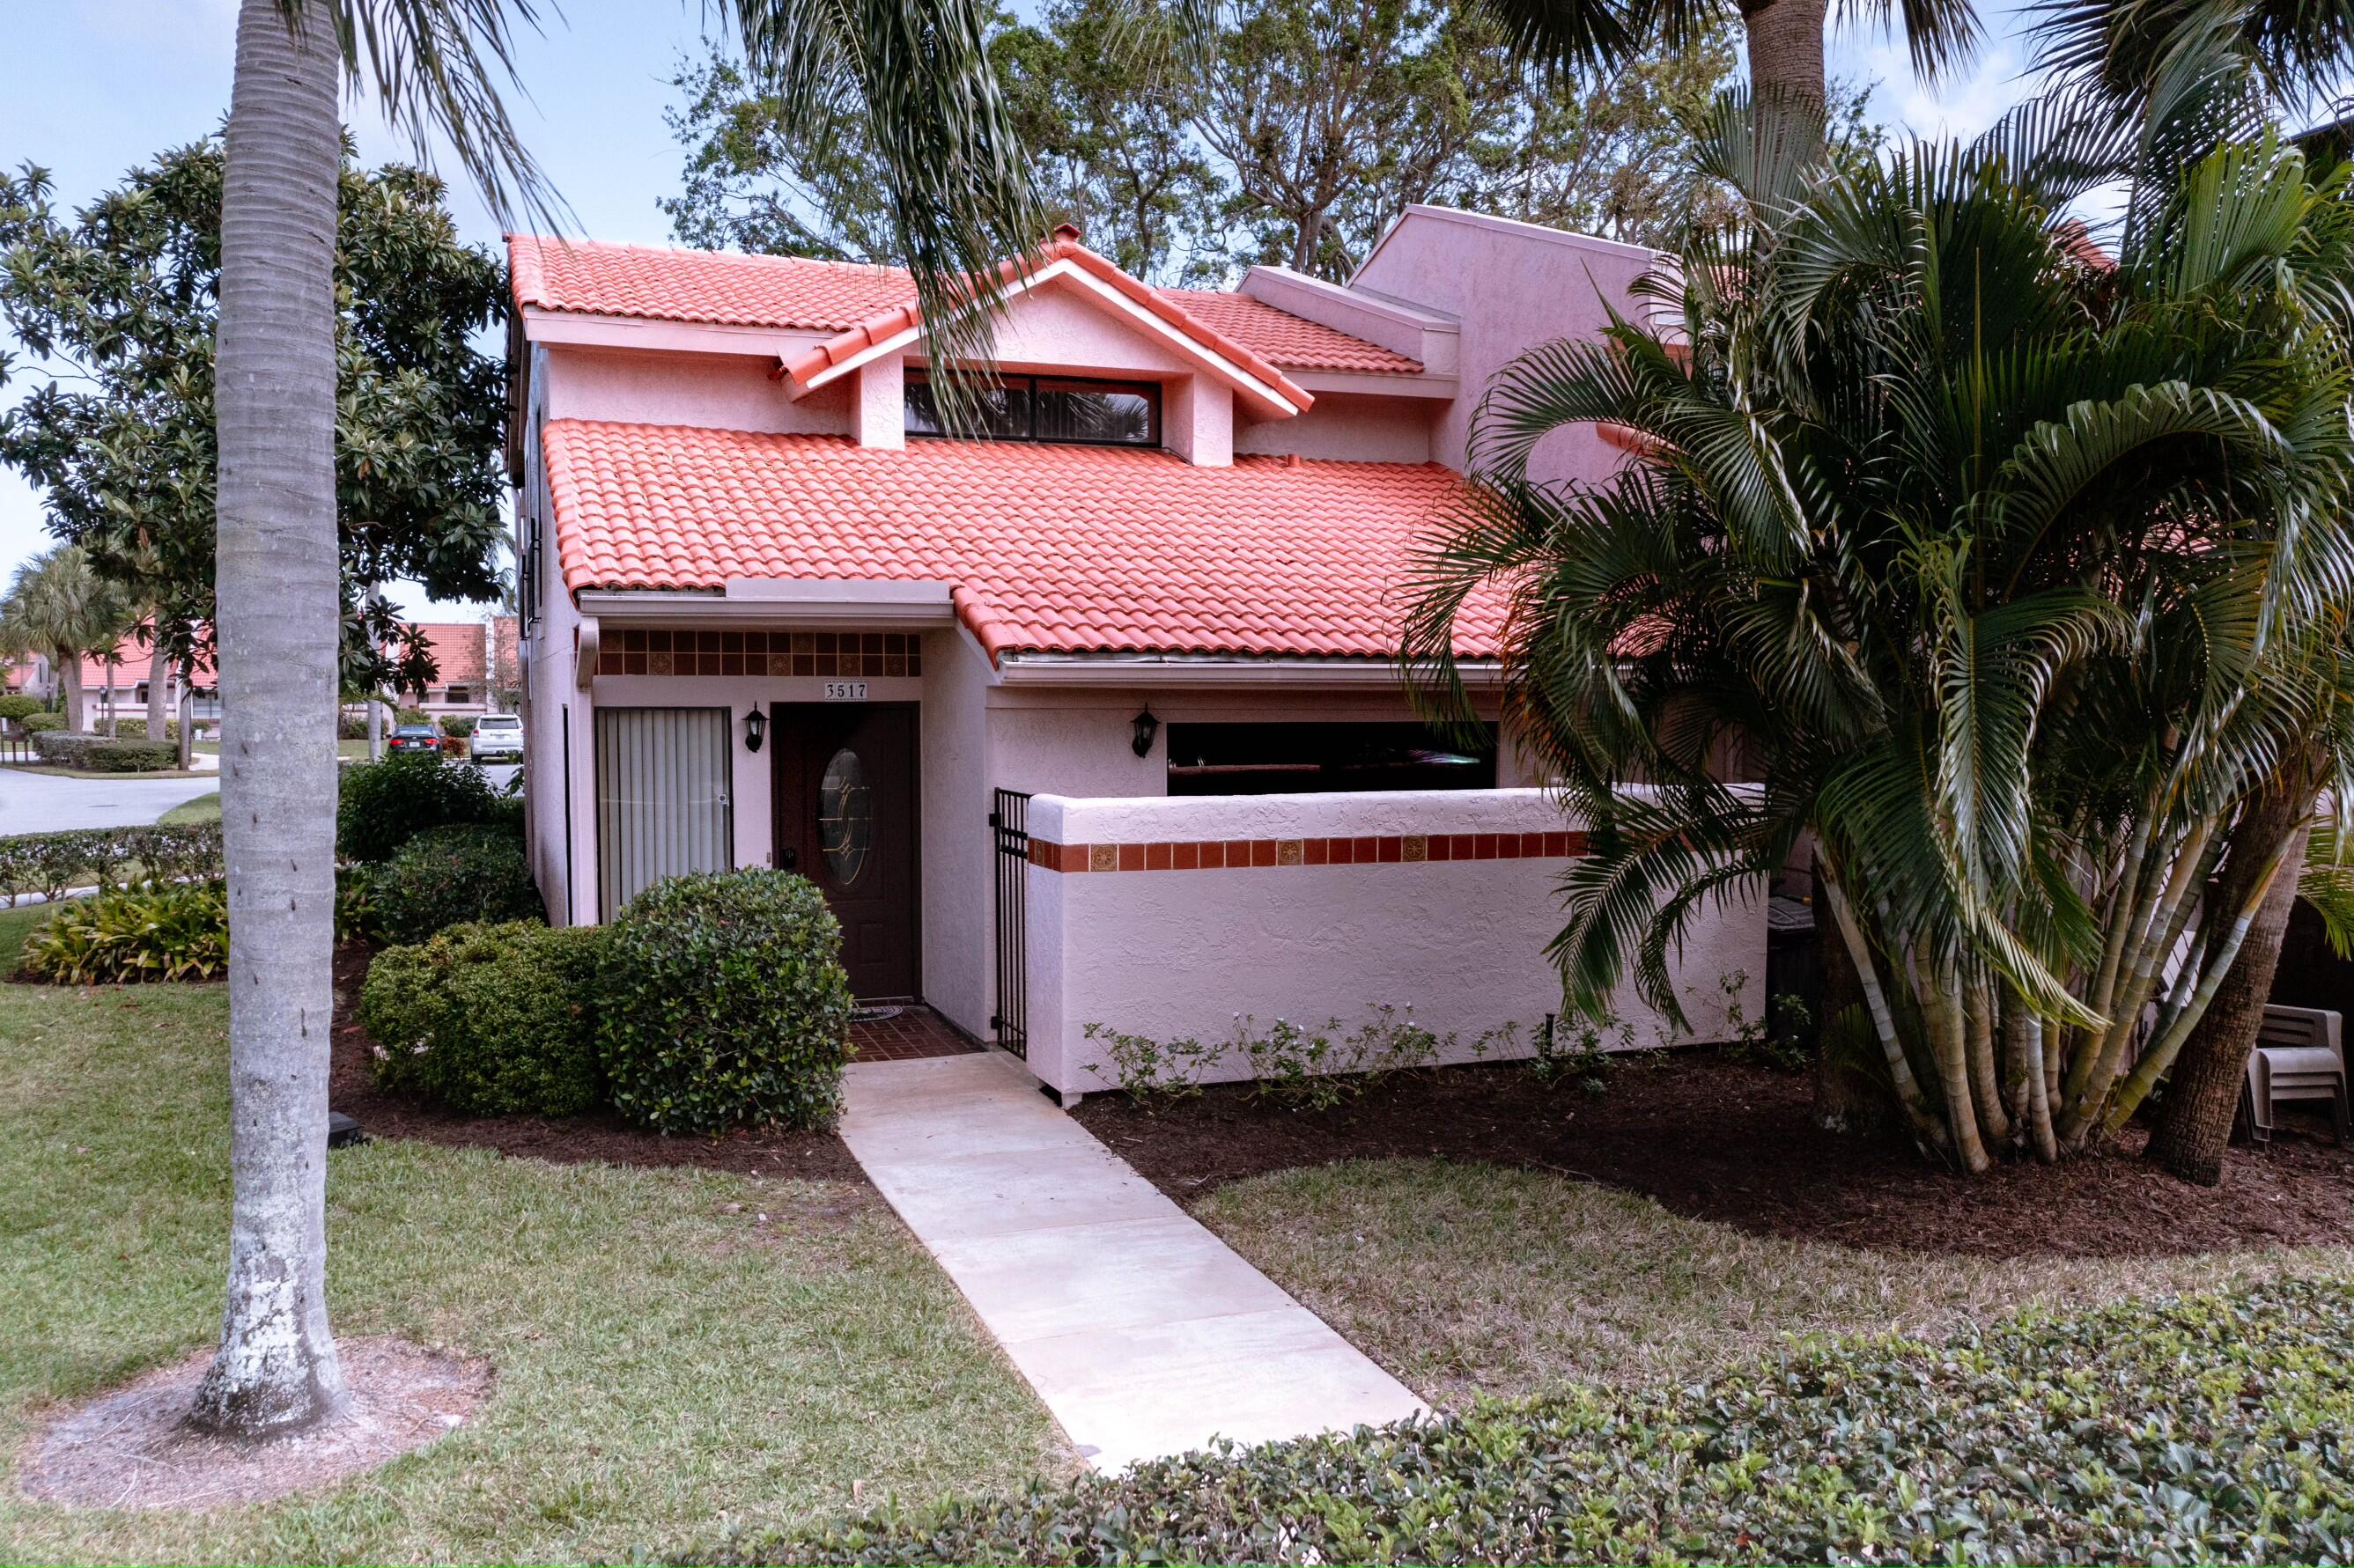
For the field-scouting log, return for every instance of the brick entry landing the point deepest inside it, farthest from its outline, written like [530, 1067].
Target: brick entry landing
[916, 1033]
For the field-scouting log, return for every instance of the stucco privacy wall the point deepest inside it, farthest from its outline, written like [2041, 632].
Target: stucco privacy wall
[1155, 950]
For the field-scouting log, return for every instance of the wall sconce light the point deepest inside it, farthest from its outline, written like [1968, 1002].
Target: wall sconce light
[1142, 729]
[755, 725]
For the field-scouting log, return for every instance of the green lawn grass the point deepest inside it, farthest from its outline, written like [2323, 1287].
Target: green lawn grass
[1470, 1279]
[663, 1359]
[189, 813]
[16, 924]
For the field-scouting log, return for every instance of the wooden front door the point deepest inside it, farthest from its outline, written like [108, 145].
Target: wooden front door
[846, 818]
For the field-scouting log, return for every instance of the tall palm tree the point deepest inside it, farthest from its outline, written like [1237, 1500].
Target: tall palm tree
[916, 69]
[2019, 573]
[58, 606]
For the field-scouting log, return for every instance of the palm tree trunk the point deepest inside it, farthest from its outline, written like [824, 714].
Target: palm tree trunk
[276, 588]
[77, 705]
[2202, 1097]
[1785, 51]
[159, 707]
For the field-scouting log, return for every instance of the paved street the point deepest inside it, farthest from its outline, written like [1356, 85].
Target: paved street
[45, 802]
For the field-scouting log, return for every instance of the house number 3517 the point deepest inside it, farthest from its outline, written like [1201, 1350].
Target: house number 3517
[845, 691]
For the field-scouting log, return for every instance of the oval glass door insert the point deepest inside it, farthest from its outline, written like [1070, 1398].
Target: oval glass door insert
[845, 817]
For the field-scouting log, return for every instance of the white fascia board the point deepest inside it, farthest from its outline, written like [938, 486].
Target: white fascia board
[1263, 400]
[776, 601]
[575, 329]
[1201, 669]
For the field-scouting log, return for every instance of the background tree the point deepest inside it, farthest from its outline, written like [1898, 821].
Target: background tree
[120, 302]
[59, 608]
[1296, 137]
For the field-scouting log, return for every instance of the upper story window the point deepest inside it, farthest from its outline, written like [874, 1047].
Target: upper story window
[1050, 408]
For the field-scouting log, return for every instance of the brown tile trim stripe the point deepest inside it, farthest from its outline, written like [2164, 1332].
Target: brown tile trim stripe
[1233, 854]
[638, 651]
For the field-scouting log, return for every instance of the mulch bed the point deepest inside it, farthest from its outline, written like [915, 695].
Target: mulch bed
[1725, 1140]
[352, 1089]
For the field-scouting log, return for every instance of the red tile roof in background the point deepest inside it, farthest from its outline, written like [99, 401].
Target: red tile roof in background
[1048, 548]
[457, 648]
[794, 293]
[132, 658]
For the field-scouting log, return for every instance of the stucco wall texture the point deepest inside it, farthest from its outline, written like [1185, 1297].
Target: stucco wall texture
[1173, 954]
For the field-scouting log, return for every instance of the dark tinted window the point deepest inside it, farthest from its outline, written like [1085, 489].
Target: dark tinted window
[1050, 408]
[1322, 758]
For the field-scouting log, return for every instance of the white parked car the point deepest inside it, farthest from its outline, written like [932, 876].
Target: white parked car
[498, 735]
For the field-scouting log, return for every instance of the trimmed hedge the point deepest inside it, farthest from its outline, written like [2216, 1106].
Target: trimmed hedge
[491, 1019]
[383, 805]
[137, 730]
[458, 727]
[98, 754]
[49, 864]
[726, 1004]
[2215, 1428]
[450, 876]
[35, 723]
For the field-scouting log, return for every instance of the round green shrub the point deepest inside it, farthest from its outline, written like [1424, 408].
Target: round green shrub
[33, 723]
[489, 1020]
[725, 1004]
[383, 805]
[458, 727]
[446, 877]
[17, 705]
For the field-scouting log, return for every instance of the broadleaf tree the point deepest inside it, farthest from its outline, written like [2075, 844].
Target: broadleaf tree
[1300, 131]
[117, 304]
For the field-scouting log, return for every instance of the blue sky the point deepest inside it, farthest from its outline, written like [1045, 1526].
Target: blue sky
[95, 86]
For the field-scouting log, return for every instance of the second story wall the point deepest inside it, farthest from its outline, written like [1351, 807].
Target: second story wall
[720, 391]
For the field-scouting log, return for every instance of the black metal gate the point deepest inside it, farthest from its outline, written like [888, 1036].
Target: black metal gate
[1008, 824]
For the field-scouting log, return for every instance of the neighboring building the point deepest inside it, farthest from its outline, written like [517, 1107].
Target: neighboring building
[1175, 571]
[462, 668]
[114, 683]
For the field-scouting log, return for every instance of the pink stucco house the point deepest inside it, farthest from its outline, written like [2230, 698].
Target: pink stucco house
[1094, 721]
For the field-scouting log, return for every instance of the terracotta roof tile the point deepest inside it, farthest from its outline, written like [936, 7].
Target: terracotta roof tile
[456, 647]
[795, 293]
[1047, 548]
[1287, 340]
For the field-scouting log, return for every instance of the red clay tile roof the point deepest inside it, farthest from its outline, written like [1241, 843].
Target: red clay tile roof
[719, 287]
[888, 325]
[789, 293]
[1047, 548]
[132, 659]
[457, 648]
[1286, 339]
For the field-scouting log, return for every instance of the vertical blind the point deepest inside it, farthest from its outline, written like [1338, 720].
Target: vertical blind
[662, 804]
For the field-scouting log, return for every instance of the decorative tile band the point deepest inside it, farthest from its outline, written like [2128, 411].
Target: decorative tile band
[636, 651]
[1235, 854]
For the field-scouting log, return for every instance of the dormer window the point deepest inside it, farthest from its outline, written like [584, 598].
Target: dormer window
[1050, 408]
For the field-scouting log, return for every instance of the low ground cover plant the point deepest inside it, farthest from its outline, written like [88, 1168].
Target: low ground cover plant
[1316, 1067]
[491, 1019]
[383, 805]
[169, 931]
[2197, 1428]
[448, 875]
[724, 1003]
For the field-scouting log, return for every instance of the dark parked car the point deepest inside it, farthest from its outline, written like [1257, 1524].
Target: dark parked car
[417, 737]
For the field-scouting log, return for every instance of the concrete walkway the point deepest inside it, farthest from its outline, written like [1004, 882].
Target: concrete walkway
[44, 802]
[1144, 1334]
